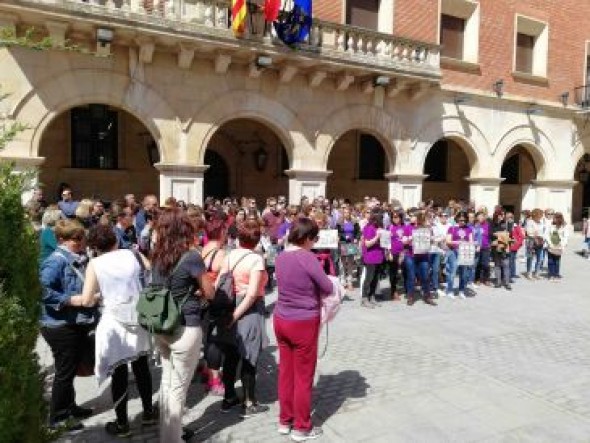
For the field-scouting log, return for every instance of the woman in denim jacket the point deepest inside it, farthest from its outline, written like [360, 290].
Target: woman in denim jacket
[64, 327]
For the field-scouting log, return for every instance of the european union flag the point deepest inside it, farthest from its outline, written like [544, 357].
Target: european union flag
[294, 26]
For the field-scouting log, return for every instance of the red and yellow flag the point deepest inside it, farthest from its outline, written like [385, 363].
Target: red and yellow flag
[238, 17]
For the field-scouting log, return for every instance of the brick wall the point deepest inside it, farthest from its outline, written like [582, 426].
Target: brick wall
[329, 10]
[416, 19]
[568, 31]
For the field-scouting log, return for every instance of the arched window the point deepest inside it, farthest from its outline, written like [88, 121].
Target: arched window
[95, 137]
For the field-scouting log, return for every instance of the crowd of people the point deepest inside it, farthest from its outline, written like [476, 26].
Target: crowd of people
[95, 258]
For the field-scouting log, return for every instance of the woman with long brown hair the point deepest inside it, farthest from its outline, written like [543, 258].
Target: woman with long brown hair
[176, 263]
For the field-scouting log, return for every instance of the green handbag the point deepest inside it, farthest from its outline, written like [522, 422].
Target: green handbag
[157, 311]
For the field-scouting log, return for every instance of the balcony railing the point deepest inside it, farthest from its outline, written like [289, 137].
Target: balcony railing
[211, 18]
[582, 96]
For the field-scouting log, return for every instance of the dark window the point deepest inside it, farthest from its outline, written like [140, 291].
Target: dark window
[524, 53]
[452, 32]
[371, 158]
[436, 162]
[363, 13]
[588, 70]
[95, 137]
[511, 170]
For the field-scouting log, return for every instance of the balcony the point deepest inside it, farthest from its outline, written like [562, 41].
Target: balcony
[204, 26]
[582, 97]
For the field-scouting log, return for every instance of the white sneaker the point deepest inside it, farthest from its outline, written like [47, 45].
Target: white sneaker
[309, 435]
[441, 293]
[284, 429]
[472, 286]
[462, 295]
[451, 295]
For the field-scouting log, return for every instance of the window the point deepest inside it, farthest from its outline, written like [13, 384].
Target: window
[524, 53]
[95, 137]
[459, 30]
[451, 36]
[363, 13]
[436, 162]
[371, 158]
[511, 170]
[531, 46]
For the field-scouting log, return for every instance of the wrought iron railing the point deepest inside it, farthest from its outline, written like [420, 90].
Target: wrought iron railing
[582, 96]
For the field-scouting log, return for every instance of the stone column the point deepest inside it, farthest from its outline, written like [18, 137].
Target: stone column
[555, 194]
[484, 191]
[406, 188]
[183, 182]
[308, 183]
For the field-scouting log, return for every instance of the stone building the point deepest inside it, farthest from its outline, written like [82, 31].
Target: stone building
[405, 99]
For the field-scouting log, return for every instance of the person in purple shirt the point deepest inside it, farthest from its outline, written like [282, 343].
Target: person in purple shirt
[301, 285]
[457, 234]
[417, 265]
[395, 255]
[482, 235]
[372, 255]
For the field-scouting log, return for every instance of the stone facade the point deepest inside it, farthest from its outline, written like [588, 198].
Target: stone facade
[202, 90]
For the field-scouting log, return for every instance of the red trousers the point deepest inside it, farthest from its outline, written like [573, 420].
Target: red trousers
[298, 354]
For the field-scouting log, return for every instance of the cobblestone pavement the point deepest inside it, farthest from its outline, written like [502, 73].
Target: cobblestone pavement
[499, 367]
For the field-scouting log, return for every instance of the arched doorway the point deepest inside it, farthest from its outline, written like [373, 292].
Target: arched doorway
[358, 161]
[101, 151]
[518, 171]
[581, 191]
[246, 158]
[446, 166]
[216, 176]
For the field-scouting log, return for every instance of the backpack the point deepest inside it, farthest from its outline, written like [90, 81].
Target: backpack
[224, 299]
[157, 311]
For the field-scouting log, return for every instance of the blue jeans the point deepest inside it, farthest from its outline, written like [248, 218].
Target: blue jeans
[470, 270]
[554, 262]
[453, 269]
[416, 267]
[434, 260]
[537, 254]
[512, 264]
[482, 271]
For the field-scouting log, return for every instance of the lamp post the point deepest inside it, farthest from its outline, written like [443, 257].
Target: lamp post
[260, 158]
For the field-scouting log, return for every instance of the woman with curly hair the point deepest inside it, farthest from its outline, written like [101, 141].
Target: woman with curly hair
[176, 263]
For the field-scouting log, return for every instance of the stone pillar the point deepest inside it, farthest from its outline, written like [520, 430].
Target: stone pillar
[555, 194]
[310, 184]
[406, 188]
[183, 182]
[484, 191]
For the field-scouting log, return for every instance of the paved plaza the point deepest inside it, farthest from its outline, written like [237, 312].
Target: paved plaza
[499, 367]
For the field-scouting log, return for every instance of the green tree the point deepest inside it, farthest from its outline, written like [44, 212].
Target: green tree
[22, 408]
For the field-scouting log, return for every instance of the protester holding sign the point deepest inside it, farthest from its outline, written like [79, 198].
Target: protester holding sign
[419, 244]
[372, 255]
[459, 236]
[556, 237]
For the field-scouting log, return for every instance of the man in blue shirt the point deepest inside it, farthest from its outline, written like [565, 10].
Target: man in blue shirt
[67, 204]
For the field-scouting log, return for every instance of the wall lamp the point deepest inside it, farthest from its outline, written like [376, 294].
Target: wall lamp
[499, 88]
[260, 158]
[564, 98]
[263, 61]
[104, 36]
[381, 80]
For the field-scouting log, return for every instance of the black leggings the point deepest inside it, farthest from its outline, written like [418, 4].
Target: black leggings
[120, 383]
[371, 280]
[248, 374]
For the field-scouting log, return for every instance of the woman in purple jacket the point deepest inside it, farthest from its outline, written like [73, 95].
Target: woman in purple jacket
[301, 283]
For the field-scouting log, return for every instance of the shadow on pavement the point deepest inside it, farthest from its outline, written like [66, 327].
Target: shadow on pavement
[332, 391]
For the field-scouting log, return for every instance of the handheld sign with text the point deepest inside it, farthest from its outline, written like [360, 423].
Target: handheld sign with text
[385, 238]
[421, 241]
[327, 239]
[466, 254]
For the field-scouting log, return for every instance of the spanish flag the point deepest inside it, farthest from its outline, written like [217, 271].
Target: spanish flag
[238, 17]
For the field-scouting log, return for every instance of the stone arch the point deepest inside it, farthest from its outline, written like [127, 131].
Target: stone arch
[536, 143]
[44, 102]
[373, 120]
[248, 105]
[459, 129]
